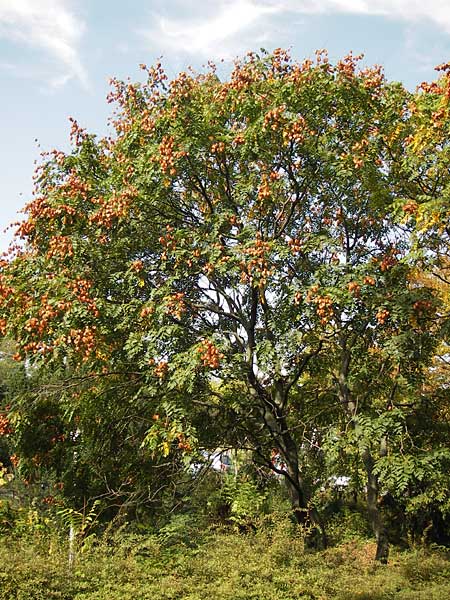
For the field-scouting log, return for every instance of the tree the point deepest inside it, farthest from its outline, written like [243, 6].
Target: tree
[226, 240]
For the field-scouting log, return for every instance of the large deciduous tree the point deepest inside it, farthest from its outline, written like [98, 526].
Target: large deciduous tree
[229, 241]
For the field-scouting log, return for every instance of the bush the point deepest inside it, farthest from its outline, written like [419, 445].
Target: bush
[347, 525]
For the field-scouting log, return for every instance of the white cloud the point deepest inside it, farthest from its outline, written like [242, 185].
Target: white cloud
[50, 26]
[218, 36]
[231, 25]
[436, 11]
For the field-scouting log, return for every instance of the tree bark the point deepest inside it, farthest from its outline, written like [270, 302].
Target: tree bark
[293, 483]
[374, 513]
[304, 515]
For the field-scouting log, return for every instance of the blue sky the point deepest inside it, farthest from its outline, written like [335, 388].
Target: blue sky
[56, 56]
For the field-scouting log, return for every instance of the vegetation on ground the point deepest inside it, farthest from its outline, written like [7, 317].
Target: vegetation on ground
[271, 564]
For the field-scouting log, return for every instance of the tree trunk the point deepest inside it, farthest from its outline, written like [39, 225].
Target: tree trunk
[350, 408]
[373, 509]
[296, 495]
[272, 412]
[305, 516]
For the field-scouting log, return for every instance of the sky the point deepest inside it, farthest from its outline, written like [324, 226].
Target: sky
[57, 56]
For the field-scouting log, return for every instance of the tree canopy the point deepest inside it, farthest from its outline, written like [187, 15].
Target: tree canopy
[238, 265]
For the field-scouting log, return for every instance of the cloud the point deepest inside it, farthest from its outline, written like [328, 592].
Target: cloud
[49, 26]
[216, 36]
[436, 11]
[225, 28]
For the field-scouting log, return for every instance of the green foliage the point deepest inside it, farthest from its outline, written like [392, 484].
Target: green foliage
[267, 566]
[240, 500]
[27, 523]
[5, 477]
[397, 472]
[348, 525]
[80, 523]
[181, 529]
[423, 566]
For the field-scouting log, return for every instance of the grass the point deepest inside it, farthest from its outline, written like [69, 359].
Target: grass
[218, 565]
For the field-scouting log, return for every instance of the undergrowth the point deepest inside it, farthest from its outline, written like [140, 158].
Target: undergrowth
[220, 564]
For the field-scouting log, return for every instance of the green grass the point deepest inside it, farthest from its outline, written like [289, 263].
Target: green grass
[222, 565]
